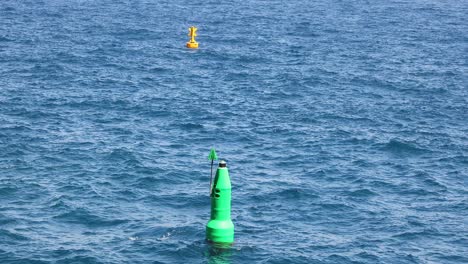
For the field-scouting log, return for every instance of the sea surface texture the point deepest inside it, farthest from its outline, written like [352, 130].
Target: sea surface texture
[344, 125]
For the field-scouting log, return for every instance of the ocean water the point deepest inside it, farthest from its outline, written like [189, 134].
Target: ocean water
[344, 125]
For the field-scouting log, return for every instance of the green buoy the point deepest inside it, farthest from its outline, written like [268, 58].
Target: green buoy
[220, 228]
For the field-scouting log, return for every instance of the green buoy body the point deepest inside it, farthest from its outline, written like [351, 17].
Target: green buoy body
[220, 228]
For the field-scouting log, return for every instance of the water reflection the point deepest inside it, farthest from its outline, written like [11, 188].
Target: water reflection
[219, 253]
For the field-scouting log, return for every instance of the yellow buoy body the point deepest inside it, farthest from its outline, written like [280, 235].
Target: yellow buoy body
[192, 44]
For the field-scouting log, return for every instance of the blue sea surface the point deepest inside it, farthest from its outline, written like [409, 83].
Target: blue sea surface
[344, 125]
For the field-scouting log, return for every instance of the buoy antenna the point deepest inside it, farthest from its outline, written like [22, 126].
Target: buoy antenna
[212, 157]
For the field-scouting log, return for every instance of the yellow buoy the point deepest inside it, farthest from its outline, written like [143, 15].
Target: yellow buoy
[192, 44]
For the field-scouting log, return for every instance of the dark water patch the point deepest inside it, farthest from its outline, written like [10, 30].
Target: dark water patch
[59, 205]
[149, 181]
[159, 70]
[387, 185]
[335, 207]
[17, 259]
[416, 191]
[452, 258]
[334, 258]
[432, 183]
[6, 235]
[5, 39]
[462, 206]
[87, 218]
[297, 259]
[358, 141]
[134, 34]
[362, 193]
[403, 148]
[296, 194]
[157, 113]
[182, 201]
[81, 259]
[418, 235]
[121, 176]
[17, 128]
[7, 191]
[367, 257]
[190, 126]
[122, 155]
[7, 220]
[8, 9]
